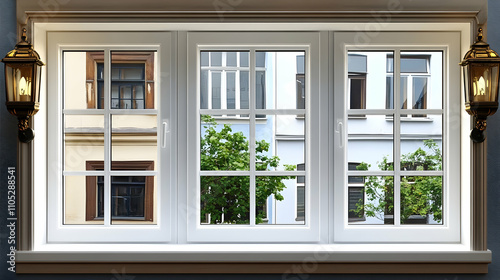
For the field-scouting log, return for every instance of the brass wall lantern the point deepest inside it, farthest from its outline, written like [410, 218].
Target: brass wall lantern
[481, 66]
[23, 69]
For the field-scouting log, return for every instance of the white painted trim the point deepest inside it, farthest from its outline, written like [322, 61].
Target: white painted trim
[450, 230]
[306, 41]
[43, 159]
[57, 42]
[274, 253]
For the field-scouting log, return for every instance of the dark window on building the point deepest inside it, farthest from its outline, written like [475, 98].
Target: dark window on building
[356, 194]
[300, 83]
[301, 194]
[127, 86]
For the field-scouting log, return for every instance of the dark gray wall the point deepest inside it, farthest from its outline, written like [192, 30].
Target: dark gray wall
[8, 158]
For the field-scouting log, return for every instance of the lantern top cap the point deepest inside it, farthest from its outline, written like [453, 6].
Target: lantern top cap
[23, 52]
[480, 50]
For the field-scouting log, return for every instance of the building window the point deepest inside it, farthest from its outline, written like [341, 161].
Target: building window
[246, 189]
[356, 194]
[357, 89]
[301, 83]
[225, 80]
[301, 194]
[414, 82]
[131, 196]
[238, 175]
[389, 189]
[357, 69]
[132, 80]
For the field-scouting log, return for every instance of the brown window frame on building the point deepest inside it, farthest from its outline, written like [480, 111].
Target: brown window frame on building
[91, 186]
[93, 58]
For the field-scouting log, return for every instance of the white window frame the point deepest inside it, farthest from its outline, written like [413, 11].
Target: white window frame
[57, 231]
[309, 42]
[448, 43]
[336, 250]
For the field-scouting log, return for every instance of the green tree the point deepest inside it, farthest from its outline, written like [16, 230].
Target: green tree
[420, 195]
[226, 199]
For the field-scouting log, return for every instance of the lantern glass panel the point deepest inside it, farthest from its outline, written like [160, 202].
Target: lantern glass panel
[19, 79]
[484, 82]
[465, 70]
[38, 78]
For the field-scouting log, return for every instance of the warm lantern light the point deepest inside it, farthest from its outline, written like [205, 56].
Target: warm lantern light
[23, 69]
[481, 69]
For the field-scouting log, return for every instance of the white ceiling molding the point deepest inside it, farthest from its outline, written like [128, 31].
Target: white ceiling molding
[248, 10]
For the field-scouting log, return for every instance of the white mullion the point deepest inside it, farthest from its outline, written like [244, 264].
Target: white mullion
[244, 173]
[251, 145]
[390, 111]
[84, 173]
[115, 112]
[223, 111]
[397, 138]
[107, 137]
[360, 173]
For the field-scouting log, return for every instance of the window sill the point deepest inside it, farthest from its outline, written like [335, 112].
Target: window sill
[255, 262]
[411, 119]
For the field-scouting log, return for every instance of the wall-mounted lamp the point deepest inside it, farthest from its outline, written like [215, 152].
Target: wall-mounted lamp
[23, 69]
[481, 70]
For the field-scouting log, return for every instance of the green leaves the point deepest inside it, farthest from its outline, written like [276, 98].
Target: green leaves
[420, 195]
[226, 199]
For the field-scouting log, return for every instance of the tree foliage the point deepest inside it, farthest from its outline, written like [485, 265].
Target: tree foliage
[226, 199]
[420, 195]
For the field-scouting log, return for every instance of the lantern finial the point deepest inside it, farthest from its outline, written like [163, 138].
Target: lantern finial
[24, 37]
[480, 34]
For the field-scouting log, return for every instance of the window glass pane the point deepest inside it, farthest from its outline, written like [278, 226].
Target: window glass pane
[216, 90]
[204, 59]
[356, 63]
[134, 138]
[204, 89]
[280, 143]
[244, 59]
[425, 84]
[231, 90]
[231, 59]
[215, 59]
[133, 78]
[82, 77]
[301, 64]
[244, 90]
[370, 141]
[371, 203]
[224, 144]
[422, 200]
[277, 201]
[224, 200]
[83, 141]
[260, 90]
[390, 93]
[419, 92]
[281, 86]
[367, 88]
[260, 59]
[356, 200]
[301, 91]
[421, 143]
[409, 63]
[413, 64]
[357, 91]
[133, 199]
[80, 201]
